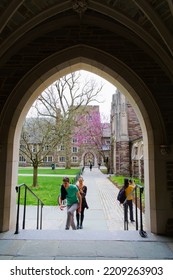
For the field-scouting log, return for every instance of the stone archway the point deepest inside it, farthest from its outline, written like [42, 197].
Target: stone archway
[79, 57]
[88, 158]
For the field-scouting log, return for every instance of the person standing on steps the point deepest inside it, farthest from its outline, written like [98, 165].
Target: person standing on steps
[129, 202]
[91, 166]
[83, 191]
[74, 202]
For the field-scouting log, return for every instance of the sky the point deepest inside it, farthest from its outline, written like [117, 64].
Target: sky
[105, 96]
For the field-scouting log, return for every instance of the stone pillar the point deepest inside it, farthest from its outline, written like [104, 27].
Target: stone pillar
[135, 168]
[122, 159]
[142, 170]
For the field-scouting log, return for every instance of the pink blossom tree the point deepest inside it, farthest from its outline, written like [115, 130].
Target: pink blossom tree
[91, 131]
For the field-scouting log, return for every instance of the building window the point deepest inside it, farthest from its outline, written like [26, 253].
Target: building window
[46, 148]
[34, 148]
[134, 151]
[48, 159]
[74, 149]
[22, 159]
[61, 159]
[74, 159]
[22, 147]
[74, 140]
[62, 148]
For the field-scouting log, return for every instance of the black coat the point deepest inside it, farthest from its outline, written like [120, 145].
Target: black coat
[63, 192]
[83, 194]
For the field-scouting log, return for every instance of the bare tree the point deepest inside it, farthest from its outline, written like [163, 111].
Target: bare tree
[63, 101]
[39, 137]
[55, 120]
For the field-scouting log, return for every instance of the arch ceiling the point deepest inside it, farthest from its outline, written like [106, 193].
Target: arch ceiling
[138, 33]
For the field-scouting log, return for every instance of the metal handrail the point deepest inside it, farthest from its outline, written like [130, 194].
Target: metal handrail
[39, 203]
[141, 231]
[78, 175]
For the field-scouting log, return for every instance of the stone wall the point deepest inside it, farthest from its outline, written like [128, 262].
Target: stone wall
[134, 128]
[122, 158]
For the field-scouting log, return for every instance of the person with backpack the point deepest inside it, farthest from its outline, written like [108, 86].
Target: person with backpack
[129, 202]
[121, 197]
[126, 198]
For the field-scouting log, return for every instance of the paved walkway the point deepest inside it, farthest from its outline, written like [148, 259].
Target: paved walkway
[102, 237]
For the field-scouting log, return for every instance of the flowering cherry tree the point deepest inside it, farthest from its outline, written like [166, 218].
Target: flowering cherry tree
[91, 132]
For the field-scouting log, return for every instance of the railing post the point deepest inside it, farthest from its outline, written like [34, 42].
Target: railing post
[18, 210]
[24, 209]
[141, 232]
[41, 213]
[38, 214]
[125, 216]
[136, 207]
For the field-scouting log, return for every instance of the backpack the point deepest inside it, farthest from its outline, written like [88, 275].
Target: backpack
[121, 197]
[62, 195]
[63, 192]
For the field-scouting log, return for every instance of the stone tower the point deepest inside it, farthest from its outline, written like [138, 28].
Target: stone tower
[120, 137]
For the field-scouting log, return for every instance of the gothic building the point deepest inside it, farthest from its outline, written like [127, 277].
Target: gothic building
[126, 139]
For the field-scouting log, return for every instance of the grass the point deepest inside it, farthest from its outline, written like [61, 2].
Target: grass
[48, 190]
[27, 170]
[119, 180]
[49, 186]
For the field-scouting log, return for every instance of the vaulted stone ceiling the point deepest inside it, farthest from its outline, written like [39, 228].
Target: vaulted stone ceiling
[139, 33]
[155, 17]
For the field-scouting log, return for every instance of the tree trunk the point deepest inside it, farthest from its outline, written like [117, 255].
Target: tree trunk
[68, 158]
[68, 152]
[35, 175]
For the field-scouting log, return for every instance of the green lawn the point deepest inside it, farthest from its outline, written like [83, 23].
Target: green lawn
[119, 180]
[29, 170]
[49, 186]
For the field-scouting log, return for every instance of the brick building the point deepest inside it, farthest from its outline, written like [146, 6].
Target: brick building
[83, 147]
[89, 142]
